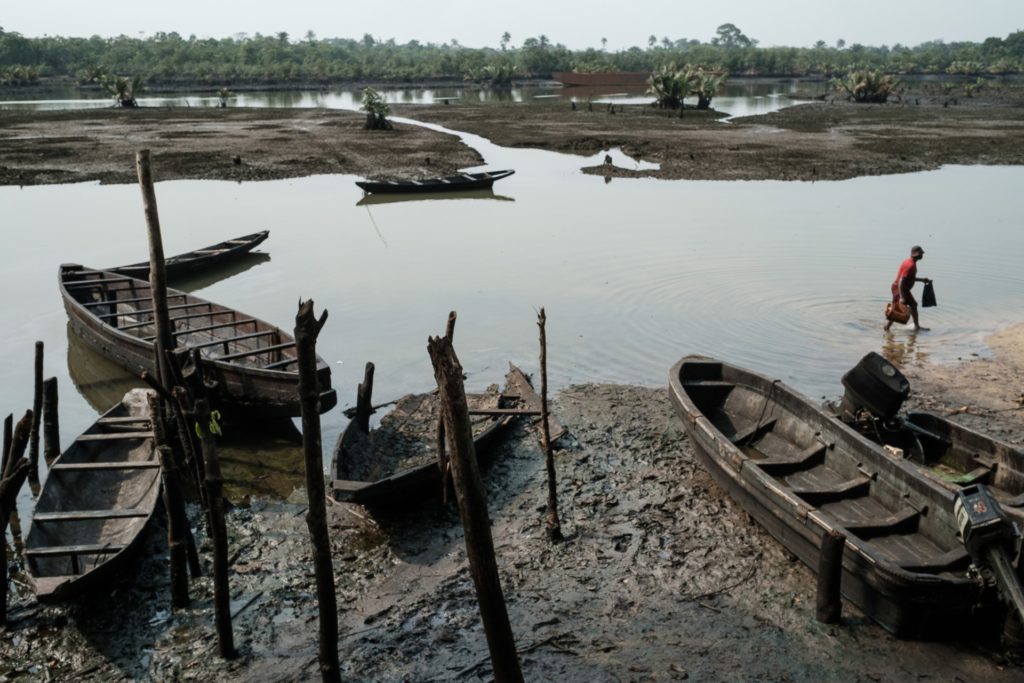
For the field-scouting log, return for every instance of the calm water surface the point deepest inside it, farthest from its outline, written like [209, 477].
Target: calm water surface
[784, 277]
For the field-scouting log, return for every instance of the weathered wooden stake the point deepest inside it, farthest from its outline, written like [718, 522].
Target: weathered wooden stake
[364, 399]
[157, 274]
[10, 485]
[442, 453]
[307, 329]
[472, 498]
[830, 574]
[51, 422]
[8, 437]
[218, 532]
[177, 547]
[553, 524]
[37, 413]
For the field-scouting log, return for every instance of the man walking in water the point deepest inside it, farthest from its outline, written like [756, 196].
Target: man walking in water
[905, 279]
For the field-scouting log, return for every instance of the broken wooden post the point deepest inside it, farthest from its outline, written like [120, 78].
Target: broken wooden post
[51, 422]
[8, 437]
[442, 452]
[364, 399]
[218, 530]
[553, 525]
[472, 499]
[37, 413]
[829, 608]
[11, 482]
[157, 274]
[177, 547]
[307, 329]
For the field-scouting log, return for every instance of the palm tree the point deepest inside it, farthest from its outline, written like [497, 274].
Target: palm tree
[123, 90]
[670, 86]
[377, 110]
[706, 86]
[868, 86]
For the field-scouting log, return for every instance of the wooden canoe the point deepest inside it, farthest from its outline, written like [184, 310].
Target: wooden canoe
[954, 455]
[252, 362]
[95, 504]
[396, 465]
[455, 183]
[191, 262]
[800, 474]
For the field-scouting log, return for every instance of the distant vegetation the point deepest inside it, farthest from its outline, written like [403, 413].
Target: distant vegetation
[169, 58]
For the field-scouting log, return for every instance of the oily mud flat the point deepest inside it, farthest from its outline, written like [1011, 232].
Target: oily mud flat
[46, 147]
[662, 577]
[818, 140]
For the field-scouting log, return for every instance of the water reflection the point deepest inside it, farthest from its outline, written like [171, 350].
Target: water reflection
[194, 282]
[903, 350]
[385, 198]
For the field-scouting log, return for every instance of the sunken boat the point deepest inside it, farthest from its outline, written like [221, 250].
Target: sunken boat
[397, 463]
[802, 474]
[198, 260]
[948, 452]
[252, 364]
[97, 500]
[454, 183]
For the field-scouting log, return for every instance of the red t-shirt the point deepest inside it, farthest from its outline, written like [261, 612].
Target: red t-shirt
[908, 270]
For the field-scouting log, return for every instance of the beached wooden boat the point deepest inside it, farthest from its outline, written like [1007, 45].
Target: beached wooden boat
[572, 78]
[954, 455]
[801, 473]
[396, 464]
[201, 259]
[252, 362]
[455, 183]
[95, 504]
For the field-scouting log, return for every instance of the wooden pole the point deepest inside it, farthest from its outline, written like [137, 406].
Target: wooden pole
[10, 485]
[472, 498]
[364, 399]
[51, 422]
[218, 532]
[553, 525]
[8, 438]
[442, 454]
[37, 413]
[307, 329]
[157, 275]
[829, 609]
[177, 520]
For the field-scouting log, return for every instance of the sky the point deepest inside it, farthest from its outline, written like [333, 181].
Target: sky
[577, 24]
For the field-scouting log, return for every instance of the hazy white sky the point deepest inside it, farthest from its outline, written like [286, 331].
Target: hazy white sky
[575, 23]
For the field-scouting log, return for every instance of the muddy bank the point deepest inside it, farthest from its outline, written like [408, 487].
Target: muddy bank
[662, 577]
[813, 141]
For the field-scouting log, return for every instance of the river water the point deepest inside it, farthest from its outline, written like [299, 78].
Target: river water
[789, 278]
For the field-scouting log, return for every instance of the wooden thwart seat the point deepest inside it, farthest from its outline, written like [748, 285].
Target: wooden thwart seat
[228, 340]
[819, 494]
[115, 436]
[874, 526]
[750, 433]
[112, 465]
[65, 550]
[83, 515]
[949, 561]
[257, 352]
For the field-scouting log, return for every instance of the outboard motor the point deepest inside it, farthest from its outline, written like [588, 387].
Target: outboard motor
[874, 385]
[992, 541]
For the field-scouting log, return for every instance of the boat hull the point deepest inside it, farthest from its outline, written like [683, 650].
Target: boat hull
[189, 263]
[457, 183]
[909, 603]
[240, 388]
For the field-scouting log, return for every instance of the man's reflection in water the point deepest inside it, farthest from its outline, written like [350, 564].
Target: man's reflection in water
[903, 351]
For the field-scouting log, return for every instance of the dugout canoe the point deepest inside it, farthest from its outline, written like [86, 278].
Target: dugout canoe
[191, 262]
[396, 464]
[454, 183]
[801, 474]
[92, 511]
[253, 363]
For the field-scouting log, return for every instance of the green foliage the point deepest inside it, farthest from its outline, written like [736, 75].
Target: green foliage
[19, 75]
[123, 90]
[706, 86]
[671, 85]
[224, 94]
[867, 86]
[377, 110]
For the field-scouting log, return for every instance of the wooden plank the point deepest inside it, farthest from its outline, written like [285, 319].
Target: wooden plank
[228, 340]
[125, 465]
[256, 352]
[516, 382]
[115, 437]
[85, 515]
[140, 311]
[91, 304]
[207, 328]
[190, 316]
[65, 550]
[280, 364]
[752, 432]
[122, 420]
[98, 282]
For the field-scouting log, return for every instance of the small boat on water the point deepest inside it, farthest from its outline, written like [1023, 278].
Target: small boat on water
[801, 474]
[253, 363]
[454, 183]
[396, 464]
[950, 453]
[95, 504]
[572, 78]
[200, 259]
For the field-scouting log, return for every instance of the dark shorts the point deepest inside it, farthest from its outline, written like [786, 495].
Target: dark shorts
[903, 295]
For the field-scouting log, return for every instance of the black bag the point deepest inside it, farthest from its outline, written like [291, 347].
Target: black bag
[928, 296]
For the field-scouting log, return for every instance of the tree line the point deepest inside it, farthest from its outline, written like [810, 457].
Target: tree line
[168, 58]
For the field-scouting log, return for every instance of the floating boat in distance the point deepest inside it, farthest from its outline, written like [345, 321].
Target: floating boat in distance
[802, 474]
[601, 79]
[396, 465]
[253, 362]
[201, 259]
[454, 183]
[95, 504]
